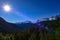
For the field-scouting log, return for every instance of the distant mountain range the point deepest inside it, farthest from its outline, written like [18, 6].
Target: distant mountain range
[11, 27]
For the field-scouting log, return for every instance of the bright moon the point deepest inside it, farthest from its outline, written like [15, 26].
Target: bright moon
[7, 8]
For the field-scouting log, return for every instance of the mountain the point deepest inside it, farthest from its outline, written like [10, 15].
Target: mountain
[44, 25]
[50, 25]
[8, 27]
[11, 27]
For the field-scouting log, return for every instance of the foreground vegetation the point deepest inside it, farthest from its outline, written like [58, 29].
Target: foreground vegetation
[27, 35]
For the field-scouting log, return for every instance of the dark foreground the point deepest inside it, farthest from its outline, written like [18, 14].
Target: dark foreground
[30, 34]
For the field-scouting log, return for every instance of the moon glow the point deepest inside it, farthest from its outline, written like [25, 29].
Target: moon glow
[7, 8]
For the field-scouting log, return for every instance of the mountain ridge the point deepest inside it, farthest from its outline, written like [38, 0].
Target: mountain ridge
[11, 27]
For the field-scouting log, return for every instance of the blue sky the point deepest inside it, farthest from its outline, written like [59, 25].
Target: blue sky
[23, 10]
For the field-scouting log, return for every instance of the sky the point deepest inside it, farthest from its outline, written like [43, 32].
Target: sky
[29, 10]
